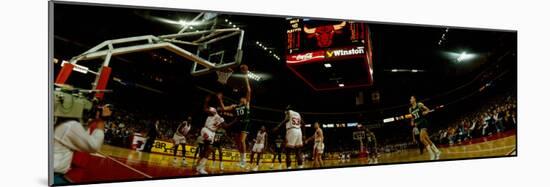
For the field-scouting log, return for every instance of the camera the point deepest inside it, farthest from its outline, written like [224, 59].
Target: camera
[74, 103]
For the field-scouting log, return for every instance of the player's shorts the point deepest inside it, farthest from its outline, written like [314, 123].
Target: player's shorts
[258, 148]
[207, 134]
[179, 139]
[422, 124]
[371, 147]
[294, 137]
[245, 126]
[318, 147]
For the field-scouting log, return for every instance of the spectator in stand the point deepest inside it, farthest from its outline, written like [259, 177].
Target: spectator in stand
[472, 128]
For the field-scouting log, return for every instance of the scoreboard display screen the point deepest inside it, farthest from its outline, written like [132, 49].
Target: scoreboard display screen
[342, 45]
[307, 35]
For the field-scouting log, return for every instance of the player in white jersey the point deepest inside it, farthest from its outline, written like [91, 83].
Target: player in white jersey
[179, 139]
[318, 146]
[293, 123]
[213, 122]
[260, 143]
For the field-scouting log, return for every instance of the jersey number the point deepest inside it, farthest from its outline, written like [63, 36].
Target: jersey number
[240, 111]
[416, 115]
[295, 121]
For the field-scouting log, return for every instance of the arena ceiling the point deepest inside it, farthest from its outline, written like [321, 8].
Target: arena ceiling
[407, 59]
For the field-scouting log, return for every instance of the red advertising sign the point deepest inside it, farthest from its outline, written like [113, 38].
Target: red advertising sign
[313, 56]
[329, 54]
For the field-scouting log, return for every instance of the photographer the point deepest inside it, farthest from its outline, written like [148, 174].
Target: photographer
[70, 136]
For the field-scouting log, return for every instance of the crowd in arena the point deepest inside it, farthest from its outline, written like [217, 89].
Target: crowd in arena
[125, 124]
[498, 115]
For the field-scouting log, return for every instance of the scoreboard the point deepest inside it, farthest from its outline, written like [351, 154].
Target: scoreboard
[322, 42]
[313, 35]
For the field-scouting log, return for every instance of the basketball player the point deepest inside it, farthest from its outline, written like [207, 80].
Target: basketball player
[213, 122]
[179, 139]
[260, 144]
[219, 138]
[293, 122]
[419, 111]
[318, 146]
[278, 148]
[242, 112]
[371, 146]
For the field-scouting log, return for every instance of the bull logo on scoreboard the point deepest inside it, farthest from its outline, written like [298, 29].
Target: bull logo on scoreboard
[324, 34]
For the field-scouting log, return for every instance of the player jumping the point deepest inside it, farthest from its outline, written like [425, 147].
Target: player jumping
[418, 111]
[259, 145]
[318, 146]
[242, 112]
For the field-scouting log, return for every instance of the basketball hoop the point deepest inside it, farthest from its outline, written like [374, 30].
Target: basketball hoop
[224, 74]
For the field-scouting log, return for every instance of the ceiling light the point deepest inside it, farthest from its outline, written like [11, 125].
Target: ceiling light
[341, 85]
[327, 65]
[462, 57]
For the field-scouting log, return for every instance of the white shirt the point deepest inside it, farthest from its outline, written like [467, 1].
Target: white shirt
[294, 120]
[260, 137]
[69, 137]
[213, 122]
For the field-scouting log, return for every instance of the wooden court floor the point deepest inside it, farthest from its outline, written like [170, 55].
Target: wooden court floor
[120, 164]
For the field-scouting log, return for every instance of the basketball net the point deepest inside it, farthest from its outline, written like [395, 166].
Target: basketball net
[224, 74]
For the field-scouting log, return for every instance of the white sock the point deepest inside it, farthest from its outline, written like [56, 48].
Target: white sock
[435, 148]
[202, 163]
[430, 151]
[243, 157]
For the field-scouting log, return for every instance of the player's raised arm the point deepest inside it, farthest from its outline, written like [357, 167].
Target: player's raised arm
[244, 69]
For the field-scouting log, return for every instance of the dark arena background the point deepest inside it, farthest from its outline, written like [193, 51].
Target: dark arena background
[354, 78]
